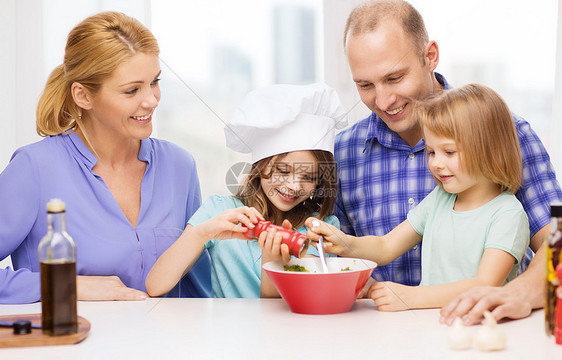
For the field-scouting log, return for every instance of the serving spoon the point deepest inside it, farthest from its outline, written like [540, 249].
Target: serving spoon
[321, 249]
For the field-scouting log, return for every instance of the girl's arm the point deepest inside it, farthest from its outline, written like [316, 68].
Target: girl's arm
[494, 268]
[175, 261]
[178, 259]
[380, 249]
[515, 300]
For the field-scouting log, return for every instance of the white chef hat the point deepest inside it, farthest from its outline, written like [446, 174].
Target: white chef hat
[281, 118]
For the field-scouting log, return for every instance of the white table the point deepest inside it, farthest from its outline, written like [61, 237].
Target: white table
[266, 329]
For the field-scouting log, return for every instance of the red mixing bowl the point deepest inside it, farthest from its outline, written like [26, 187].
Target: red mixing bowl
[316, 292]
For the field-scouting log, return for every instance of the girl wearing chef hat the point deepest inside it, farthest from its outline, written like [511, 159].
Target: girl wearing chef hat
[289, 130]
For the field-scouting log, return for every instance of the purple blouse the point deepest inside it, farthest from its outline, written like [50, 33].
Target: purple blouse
[106, 242]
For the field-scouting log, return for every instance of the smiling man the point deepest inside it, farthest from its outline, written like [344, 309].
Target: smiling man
[382, 170]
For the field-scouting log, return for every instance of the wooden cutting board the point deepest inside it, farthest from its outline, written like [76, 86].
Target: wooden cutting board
[36, 337]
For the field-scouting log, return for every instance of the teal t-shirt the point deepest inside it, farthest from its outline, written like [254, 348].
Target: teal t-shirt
[235, 263]
[454, 242]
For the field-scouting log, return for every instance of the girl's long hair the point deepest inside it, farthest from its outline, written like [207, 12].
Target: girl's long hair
[252, 194]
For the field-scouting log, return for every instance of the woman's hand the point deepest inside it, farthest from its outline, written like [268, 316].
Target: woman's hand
[106, 288]
[389, 296]
[226, 224]
[272, 247]
[335, 241]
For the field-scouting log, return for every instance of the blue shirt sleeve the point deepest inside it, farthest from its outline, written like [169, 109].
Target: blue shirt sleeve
[19, 198]
[540, 187]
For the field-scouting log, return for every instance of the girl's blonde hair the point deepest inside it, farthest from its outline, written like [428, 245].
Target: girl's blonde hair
[480, 122]
[252, 194]
[94, 49]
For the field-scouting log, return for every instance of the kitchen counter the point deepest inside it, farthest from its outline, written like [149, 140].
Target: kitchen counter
[162, 328]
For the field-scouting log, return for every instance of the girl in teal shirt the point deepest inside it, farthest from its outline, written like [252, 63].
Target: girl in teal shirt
[289, 130]
[474, 229]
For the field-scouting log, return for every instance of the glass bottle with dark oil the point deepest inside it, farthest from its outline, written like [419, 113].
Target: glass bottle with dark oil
[57, 257]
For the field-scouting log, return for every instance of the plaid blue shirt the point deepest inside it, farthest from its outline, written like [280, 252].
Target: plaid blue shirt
[381, 178]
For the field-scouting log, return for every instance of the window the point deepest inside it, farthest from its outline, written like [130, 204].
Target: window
[508, 45]
[213, 53]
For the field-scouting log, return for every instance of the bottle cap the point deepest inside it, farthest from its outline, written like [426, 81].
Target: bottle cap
[556, 209]
[301, 246]
[22, 327]
[55, 206]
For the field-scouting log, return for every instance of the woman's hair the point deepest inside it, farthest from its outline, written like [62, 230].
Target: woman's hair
[366, 18]
[252, 194]
[94, 49]
[480, 122]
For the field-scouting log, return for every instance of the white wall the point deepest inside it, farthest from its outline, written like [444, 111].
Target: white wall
[33, 35]
[20, 66]
[555, 123]
[7, 91]
[337, 72]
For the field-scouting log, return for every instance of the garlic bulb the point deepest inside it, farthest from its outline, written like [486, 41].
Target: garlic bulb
[459, 337]
[490, 337]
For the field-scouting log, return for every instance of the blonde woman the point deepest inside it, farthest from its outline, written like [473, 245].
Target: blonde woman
[128, 196]
[474, 229]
